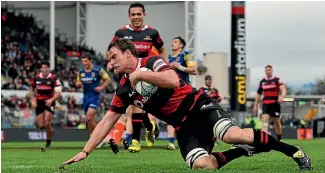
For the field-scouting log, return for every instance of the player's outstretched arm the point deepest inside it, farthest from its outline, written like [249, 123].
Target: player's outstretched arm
[100, 132]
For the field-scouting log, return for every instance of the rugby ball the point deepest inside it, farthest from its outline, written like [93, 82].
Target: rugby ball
[144, 88]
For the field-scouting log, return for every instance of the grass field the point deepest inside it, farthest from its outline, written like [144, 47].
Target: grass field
[25, 157]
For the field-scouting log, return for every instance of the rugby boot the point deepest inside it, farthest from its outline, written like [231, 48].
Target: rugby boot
[135, 146]
[250, 151]
[170, 146]
[150, 135]
[302, 159]
[113, 146]
[125, 144]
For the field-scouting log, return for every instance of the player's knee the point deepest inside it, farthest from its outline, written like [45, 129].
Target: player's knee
[205, 162]
[90, 118]
[122, 119]
[222, 126]
[264, 118]
[193, 158]
[47, 123]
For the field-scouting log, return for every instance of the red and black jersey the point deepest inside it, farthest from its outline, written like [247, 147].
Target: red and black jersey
[45, 86]
[145, 39]
[212, 92]
[169, 105]
[270, 88]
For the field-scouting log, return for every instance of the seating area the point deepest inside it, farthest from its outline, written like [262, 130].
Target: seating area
[24, 44]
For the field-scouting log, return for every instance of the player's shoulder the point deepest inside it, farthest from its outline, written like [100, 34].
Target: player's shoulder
[97, 68]
[53, 76]
[151, 28]
[276, 78]
[153, 62]
[263, 79]
[37, 75]
[149, 60]
[185, 52]
[121, 30]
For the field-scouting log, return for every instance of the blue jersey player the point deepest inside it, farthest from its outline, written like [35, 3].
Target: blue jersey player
[90, 78]
[182, 62]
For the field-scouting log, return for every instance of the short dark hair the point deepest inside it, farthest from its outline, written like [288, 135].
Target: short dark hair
[123, 45]
[268, 66]
[137, 4]
[208, 77]
[86, 56]
[183, 42]
[44, 62]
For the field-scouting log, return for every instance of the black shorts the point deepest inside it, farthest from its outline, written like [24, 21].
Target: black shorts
[197, 133]
[41, 107]
[273, 109]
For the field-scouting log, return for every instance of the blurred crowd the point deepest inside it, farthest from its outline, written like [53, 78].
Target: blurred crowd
[24, 44]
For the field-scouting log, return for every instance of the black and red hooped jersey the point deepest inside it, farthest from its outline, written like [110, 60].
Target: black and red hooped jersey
[45, 86]
[145, 39]
[169, 105]
[212, 92]
[270, 88]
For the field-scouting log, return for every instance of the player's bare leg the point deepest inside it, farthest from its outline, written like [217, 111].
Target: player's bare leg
[91, 119]
[40, 120]
[226, 130]
[128, 127]
[278, 127]
[265, 120]
[48, 127]
[171, 137]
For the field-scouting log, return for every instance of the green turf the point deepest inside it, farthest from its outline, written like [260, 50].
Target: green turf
[25, 157]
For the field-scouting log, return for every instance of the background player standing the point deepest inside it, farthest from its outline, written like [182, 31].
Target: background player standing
[90, 77]
[48, 90]
[197, 117]
[146, 39]
[211, 91]
[182, 62]
[270, 86]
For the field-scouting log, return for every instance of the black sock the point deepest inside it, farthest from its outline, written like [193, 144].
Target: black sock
[137, 124]
[264, 142]
[146, 122]
[279, 137]
[48, 141]
[227, 156]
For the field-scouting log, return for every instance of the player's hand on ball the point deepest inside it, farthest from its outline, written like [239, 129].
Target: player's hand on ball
[135, 77]
[80, 156]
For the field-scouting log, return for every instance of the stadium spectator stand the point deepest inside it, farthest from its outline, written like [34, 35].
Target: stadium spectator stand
[23, 46]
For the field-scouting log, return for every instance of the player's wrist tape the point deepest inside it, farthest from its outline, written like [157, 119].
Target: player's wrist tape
[181, 68]
[87, 154]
